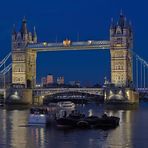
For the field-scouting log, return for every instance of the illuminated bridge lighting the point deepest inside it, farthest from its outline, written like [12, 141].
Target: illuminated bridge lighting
[67, 44]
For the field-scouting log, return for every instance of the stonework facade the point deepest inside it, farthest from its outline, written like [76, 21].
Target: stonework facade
[23, 61]
[121, 43]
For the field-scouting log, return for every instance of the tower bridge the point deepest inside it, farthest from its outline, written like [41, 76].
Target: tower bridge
[25, 48]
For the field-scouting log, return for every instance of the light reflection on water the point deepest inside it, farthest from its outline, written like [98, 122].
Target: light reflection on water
[131, 133]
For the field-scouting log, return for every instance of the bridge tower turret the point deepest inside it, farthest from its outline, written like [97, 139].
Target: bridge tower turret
[34, 35]
[23, 60]
[121, 44]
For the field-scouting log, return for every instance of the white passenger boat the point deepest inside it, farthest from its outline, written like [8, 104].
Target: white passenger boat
[38, 116]
[66, 105]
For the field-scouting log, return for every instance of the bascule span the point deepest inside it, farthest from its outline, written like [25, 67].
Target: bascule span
[40, 93]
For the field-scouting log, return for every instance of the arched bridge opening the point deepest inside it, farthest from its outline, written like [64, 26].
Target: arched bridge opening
[74, 96]
[67, 93]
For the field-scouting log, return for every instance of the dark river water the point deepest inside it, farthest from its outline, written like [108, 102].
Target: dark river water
[131, 133]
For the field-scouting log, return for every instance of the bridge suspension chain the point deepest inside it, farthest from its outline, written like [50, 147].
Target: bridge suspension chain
[6, 69]
[141, 72]
[3, 62]
[5, 59]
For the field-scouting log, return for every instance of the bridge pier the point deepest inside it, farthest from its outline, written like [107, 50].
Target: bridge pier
[121, 96]
[38, 100]
[133, 96]
[20, 96]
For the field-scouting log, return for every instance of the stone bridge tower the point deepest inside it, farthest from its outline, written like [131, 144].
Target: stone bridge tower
[23, 60]
[121, 40]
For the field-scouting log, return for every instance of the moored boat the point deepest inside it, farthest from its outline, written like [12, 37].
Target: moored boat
[71, 120]
[38, 116]
[106, 122]
[66, 105]
[83, 124]
[78, 120]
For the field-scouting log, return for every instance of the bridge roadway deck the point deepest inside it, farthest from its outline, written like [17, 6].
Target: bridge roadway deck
[37, 92]
[82, 45]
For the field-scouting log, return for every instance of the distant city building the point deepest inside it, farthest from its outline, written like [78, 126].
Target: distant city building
[60, 80]
[38, 85]
[43, 81]
[74, 83]
[77, 83]
[50, 79]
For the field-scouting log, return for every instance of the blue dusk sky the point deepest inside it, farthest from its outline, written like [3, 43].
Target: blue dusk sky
[60, 19]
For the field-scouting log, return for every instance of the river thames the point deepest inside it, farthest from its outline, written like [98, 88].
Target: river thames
[131, 133]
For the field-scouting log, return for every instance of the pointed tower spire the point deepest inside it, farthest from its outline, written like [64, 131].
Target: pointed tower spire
[121, 20]
[14, 34]
[14, 30]
[125, 22]
[34, 35]
[130, 25]
[24, 27]
[34, 31]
